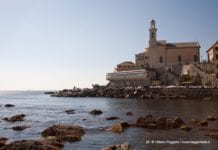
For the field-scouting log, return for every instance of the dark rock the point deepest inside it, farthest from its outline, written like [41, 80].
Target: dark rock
[209, 129]
[129, 113]
[161, 123]
[185, 128]
[29, 145]
[119, 128]
[9, 105]
[3, 140]
[68, 133]
[212, 135]
[124, 146]
[124, 124]
[15, 118]
[178, 120]
[174, 122]
[49, 92]
[151, 126]
[70, 111]
[19, 128]
[96, 112]
[52, 140]
[112, 118]
[194, 121]
[203, 123]
[211, 118]
[144, 121]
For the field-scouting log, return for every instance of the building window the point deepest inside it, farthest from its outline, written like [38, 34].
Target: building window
[195, 58]
[217, 66]
[216, 48]
[179, 58]
[152, 35]
[161, 59]
[216, 56]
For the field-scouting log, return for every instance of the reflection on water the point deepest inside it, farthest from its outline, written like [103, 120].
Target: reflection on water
[43, 111]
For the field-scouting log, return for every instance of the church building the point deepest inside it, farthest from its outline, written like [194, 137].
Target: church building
[160, 58]
[162, 54]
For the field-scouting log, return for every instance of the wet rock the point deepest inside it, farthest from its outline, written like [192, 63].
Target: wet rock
[174, 122]
[19, 128]
[129, 113]
[209, 129]
[112, 118]
[212, 135]
[3, 140]
[29, 145]
[49, 92]
[119, 128]
[9, 105]
[161, 122]
[70, 111]
[203, 123]
[15, 118]
[96, 112]
[207, 98]
[211, 118]
[68, 133]
[194, 121]
[178, 120]
[152, 126]
[185, 128]
[144, 121]
[52, 140]
[124, 146]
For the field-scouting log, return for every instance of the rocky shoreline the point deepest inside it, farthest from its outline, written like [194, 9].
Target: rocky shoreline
[54, 136]
[141, 93]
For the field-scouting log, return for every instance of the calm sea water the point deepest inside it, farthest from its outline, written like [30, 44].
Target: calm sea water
[43, 111]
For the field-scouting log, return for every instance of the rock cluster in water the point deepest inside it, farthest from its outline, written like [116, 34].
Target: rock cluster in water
[124, 146]
[15, 118]
[67, 133]
[151, 122]
[53, 137]
[141, 93]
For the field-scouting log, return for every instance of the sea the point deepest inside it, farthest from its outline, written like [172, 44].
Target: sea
[42, 111]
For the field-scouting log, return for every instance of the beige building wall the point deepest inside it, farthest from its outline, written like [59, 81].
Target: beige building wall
[212, 53]
[141, 59]
[161, 59]
[162, 54]
[182, 56]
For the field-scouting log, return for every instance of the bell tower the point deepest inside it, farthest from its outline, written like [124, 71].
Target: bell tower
[153, 35]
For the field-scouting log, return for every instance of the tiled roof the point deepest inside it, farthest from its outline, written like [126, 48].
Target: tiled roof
[181, 44]
[184, 44]
[126, 63]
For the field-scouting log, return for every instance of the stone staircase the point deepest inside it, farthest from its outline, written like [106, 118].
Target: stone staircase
[194, 69]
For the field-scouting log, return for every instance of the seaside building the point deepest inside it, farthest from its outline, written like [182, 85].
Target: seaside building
[139, 77]
[125, 66]
[160, 62]
[212, 54]
[163, 54]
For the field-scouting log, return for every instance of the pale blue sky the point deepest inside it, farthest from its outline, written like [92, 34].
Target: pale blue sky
[55, 44]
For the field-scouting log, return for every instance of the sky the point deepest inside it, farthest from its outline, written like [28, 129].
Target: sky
[56, 44]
